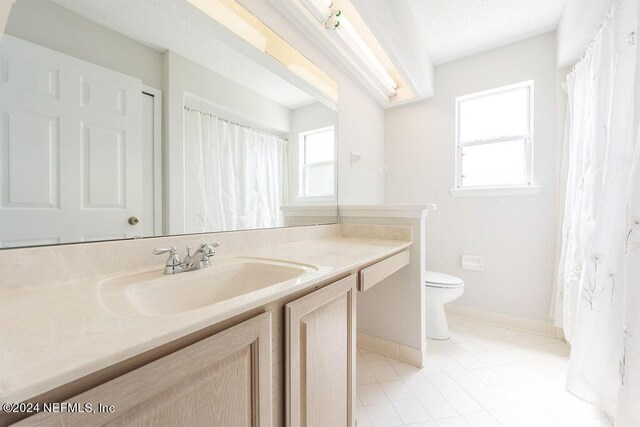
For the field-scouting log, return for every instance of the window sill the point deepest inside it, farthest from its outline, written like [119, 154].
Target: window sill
[524, 190]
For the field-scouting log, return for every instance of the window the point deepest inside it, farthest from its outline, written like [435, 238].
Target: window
[494, 141]
[317, 174]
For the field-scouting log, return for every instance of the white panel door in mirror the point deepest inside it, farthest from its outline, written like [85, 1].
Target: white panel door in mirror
[30, 172]
[30, 77]
[70, 149]
[103, 168]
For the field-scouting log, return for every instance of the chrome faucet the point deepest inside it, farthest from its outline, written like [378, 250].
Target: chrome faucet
[200, 259]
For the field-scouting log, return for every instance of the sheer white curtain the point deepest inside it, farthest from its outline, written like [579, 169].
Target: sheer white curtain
[628, 413]
[597, 277]
[240, 175]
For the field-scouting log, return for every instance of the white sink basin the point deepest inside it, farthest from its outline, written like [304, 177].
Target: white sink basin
[156, 294]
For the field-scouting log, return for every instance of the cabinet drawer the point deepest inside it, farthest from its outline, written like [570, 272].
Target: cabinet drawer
[371, 276]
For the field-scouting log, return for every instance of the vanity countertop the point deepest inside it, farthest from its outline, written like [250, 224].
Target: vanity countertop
[52, 334]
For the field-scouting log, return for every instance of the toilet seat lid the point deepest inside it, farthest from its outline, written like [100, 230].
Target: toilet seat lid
[433, 278]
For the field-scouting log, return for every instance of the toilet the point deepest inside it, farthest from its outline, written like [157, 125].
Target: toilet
[440, 289]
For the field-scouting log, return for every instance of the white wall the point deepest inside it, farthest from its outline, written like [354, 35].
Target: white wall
[5, 9]
[50, 25]
[360, 119]
[515, 234]
[206, 90]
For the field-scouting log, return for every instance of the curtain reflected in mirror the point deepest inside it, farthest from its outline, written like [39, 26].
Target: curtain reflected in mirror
[236, 175]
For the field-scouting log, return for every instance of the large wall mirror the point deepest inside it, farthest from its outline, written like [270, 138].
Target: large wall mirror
[126, 118]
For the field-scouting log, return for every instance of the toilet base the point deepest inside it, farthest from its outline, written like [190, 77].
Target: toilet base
[436, 326]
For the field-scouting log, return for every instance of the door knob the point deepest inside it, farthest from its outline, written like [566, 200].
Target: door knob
[133, 220]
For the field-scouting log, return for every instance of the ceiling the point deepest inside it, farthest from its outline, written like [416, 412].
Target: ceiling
[452, 29]
[577, 28]
[419, 34]
[446, 30]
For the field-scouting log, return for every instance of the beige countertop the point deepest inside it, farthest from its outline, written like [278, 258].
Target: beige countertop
[52, 334]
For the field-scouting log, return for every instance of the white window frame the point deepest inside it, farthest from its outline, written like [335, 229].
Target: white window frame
[526, 188]
[302, 168]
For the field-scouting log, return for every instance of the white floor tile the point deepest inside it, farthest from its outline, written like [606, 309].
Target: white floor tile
[385, 373]
[438, 407]
[463, 403]
[431, 367]
[374, 359]
[496, 396]
[515, 372]
[555, 367]
[526, 415]
[522, 341]
[466, 380]
[364, 375]
[362, 417]
[443, 383]
[540, 339]
[397, 390]
[559, 348]
[602, 422]
[572, 409]
[481, 419]
[406, 371]
[449, 364]
[543, 388]
[483, 376]
[383, 415]
[424, 424]
[411, 411]
[452, 422]
[359, 358]
[468, 361]
[371, 393]
[420, 386]
[487, 376]
[472, 347]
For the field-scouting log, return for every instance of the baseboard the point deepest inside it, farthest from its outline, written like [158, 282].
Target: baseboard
[538, 327]
[395, 350]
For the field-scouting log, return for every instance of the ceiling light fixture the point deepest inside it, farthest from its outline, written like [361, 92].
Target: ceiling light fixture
[322, 10]
[350, 37]
[325, 13]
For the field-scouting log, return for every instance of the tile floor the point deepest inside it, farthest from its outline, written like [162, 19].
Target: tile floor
[482, 376]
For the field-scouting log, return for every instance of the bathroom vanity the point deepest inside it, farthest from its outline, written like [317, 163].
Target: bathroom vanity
[277, 355]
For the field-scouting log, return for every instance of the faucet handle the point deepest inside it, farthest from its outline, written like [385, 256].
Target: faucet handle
[208, 250]
[161, 251]
[173, 264]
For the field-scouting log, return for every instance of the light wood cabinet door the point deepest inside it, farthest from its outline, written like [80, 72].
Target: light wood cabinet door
[223, 380]
[320, 356]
